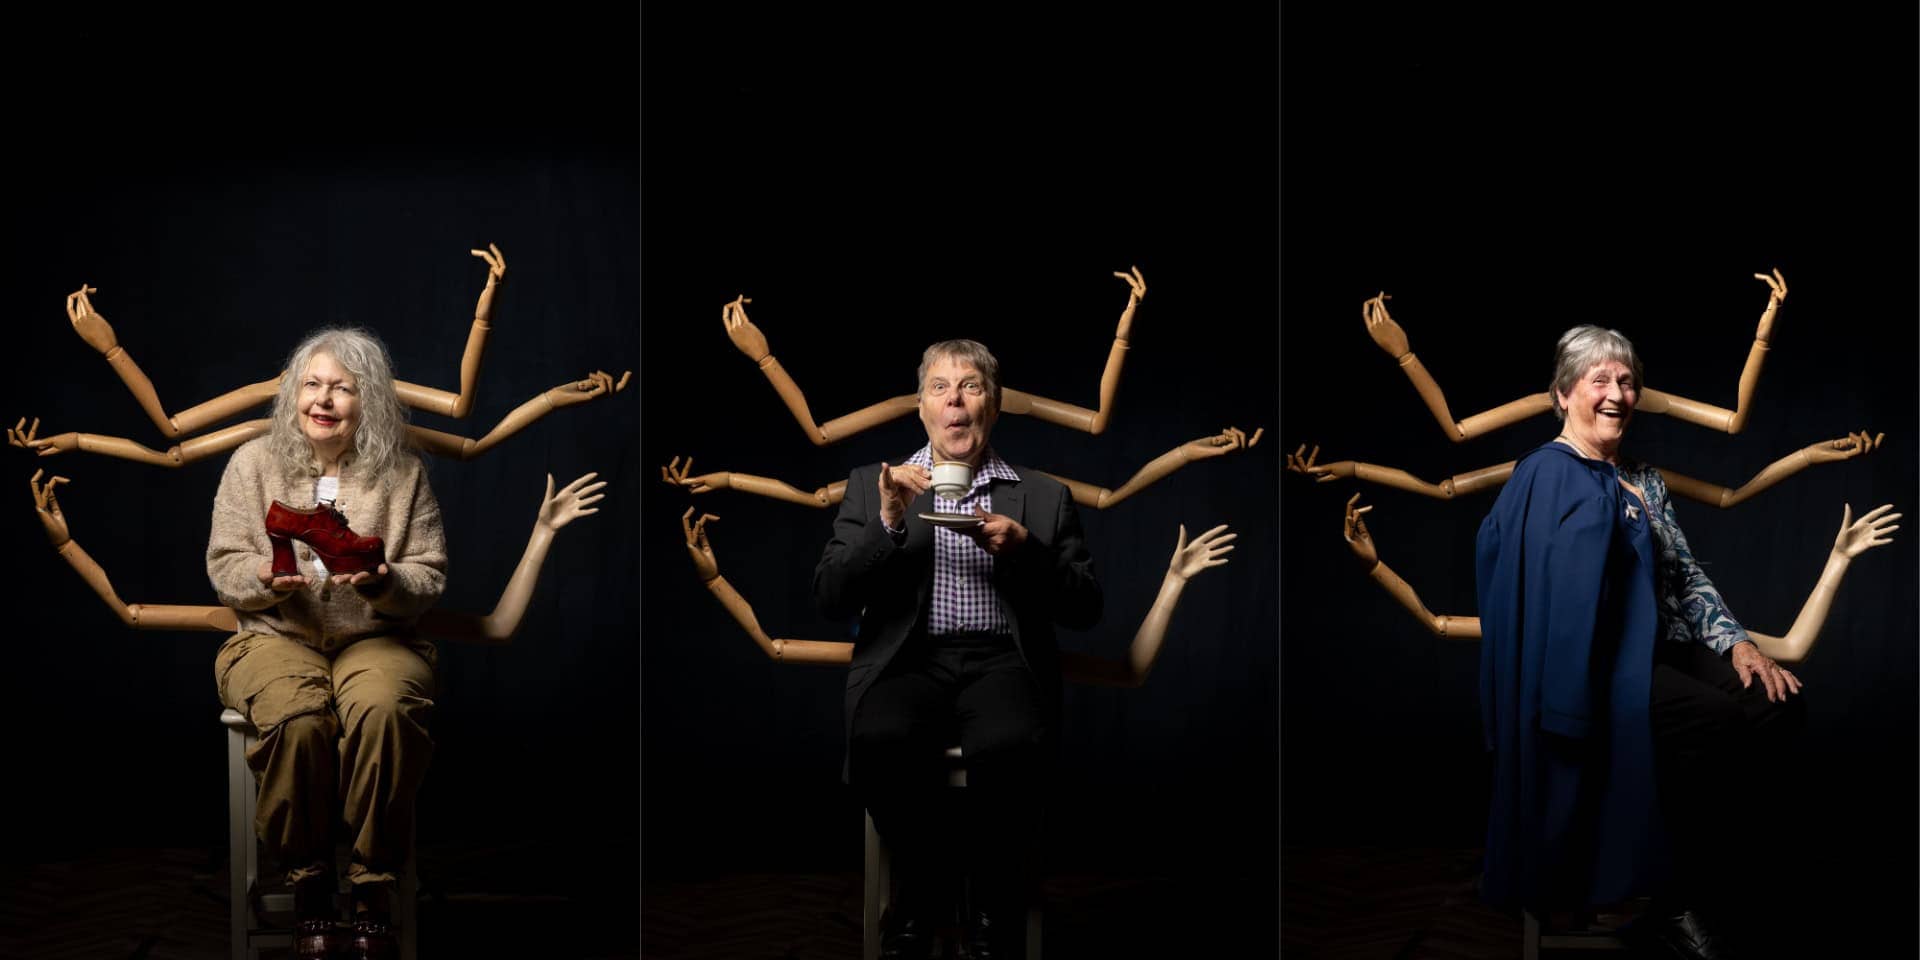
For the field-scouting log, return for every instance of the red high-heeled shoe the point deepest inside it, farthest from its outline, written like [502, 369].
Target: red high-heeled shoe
[323, 528]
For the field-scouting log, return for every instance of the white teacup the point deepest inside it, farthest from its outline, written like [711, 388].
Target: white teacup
[952, 479]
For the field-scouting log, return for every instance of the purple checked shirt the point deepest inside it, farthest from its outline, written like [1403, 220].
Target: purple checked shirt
[963, 596]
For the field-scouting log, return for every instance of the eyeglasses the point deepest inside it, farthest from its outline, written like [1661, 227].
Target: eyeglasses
[940, 388]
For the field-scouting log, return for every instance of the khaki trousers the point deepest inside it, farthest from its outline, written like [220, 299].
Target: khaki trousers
[342, 738]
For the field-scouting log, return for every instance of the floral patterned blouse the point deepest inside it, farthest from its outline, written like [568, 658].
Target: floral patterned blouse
[1690, 607]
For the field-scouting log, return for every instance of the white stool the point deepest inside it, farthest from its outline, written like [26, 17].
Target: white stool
[879, 878]
[1533, 939]
[248, 933]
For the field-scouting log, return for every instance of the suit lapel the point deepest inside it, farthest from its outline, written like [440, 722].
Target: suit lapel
[1011, 501]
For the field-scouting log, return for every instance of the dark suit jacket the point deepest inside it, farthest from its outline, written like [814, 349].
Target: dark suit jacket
[1047, 580]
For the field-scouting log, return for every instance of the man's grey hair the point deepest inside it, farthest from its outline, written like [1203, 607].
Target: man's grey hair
[1581, 349]
[379, 439]
[970, 351]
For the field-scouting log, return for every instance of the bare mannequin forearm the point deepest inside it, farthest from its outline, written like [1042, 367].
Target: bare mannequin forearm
[1716, 495]
[1447, 627]
[1141, 653]
[839, 428]
[1805, 632]
[858, 421]
[191, 419]
[1100, 498]
[199, 448]
[456, 405]
[157, 616]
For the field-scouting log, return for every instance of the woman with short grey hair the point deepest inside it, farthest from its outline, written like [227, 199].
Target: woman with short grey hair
[1617, 690]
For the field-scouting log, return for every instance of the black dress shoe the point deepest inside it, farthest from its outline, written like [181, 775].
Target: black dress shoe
[1680, 934]
[905, 937]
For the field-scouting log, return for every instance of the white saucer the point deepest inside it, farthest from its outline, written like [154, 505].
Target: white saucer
[953, 521]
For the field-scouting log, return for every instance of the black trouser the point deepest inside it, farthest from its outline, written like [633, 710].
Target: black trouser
[975, 691]
[1715, 746]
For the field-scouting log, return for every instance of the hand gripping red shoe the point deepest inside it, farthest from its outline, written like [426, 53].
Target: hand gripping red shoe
[325, 530]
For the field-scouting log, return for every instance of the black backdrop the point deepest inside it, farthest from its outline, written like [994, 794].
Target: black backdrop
[1504, 181]
[876, 191]
[227, 191]
[877, 186]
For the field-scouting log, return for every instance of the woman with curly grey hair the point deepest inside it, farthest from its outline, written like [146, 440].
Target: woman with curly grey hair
[327, 664]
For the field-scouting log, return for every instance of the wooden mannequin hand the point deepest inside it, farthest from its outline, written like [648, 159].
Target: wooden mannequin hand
[558, 510]
[1753, 665]
[697, 547]
[1320, 472]
[597, 384]
[745, 336]
[898, 486]
[1206, 551]
[47, 506]
[92, 327]
[676, 473]
[1355, 530]
[1845, 448]
[496, 263]
[1856, 536]
[1778, 285]
[1382, 329]
[21, 435]
[1138, 284]
[1233, 438]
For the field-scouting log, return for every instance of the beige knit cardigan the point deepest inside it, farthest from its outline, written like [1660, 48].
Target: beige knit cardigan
[397, 506]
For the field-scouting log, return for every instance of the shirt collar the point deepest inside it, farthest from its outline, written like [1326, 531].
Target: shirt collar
[991, 468]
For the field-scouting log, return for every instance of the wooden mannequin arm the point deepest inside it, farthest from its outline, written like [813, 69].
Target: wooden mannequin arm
[594, 385]
[1460, 484]
[700, 550]
[457, 405]
[1077, 417]
[53, 520]
[1391, 338]
[1873, 529]
[753, 343]
[1220, 444]
[677, 474]
[1360, 541]
[198, 448]
[1826, 451]
[1207, 551]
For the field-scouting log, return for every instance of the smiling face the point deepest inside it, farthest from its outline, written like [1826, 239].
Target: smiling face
[1600, 405]
[328, 406]
[956, 410]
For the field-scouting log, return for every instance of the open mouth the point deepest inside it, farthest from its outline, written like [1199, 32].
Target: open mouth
[323, 420]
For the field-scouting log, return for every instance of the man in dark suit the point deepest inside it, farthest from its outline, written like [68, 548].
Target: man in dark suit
[955, 644]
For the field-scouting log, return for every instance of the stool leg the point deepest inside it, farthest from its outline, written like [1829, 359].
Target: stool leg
[1529, 936]
[876, 892]
[240, 849]
[1033, 933]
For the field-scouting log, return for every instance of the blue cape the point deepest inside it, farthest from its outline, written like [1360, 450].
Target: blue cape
[1567, 620]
